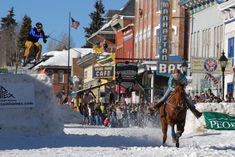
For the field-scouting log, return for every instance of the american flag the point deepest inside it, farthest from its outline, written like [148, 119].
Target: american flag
[75, 24]
[210, 77]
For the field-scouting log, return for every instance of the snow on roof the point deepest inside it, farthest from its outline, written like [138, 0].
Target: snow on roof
[60, 58]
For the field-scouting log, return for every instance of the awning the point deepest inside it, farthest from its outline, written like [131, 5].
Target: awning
[138, 87]
[81, 92]
[122, 89]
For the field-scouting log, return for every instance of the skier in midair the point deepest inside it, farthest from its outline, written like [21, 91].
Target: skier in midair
[34, 35]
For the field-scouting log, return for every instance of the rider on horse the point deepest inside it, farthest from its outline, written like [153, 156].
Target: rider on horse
[179, 78]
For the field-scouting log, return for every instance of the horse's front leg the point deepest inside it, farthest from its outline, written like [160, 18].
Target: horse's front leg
[173, 134]
[164, 131]
[180, 129]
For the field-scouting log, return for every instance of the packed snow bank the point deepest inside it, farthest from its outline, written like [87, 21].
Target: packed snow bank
[42, 119]
[195, 125]
[70, 116]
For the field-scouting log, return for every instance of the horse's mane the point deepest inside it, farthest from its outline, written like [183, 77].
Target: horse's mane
[177, 95]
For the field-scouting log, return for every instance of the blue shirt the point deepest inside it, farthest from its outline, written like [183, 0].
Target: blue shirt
[34, 35]
[182, 80]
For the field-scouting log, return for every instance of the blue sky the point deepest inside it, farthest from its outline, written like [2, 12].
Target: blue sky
[54, 14]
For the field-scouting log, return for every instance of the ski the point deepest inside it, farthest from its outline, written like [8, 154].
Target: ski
[43, 59]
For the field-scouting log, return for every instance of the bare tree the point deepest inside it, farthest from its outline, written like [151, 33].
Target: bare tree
[51, 46]
[61, 44]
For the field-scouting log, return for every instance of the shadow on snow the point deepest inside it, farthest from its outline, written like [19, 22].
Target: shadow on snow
[8, 143]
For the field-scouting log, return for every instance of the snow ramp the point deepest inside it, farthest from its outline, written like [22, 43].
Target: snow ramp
[28, 105]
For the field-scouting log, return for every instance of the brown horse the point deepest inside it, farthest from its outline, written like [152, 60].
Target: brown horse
[172, 113]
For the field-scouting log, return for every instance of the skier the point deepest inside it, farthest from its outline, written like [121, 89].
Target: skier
[32, 41]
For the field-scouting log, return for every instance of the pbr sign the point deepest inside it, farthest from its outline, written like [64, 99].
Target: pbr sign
[103, 72]
[168, 68]
[165, 27]
[14, 95]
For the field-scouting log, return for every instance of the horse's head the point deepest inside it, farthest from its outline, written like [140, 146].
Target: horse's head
[178, 93]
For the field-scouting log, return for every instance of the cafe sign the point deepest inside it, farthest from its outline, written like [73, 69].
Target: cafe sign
[103, 72]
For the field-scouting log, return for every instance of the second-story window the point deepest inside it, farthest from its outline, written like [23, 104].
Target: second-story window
[50, 74]
[85, 74]
[61, 76]
[158, 5]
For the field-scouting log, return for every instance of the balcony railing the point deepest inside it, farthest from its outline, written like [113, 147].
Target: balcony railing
[193, 3]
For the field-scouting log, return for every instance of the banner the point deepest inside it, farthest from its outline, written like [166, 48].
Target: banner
[211, 78]
[219, 121]
[209, 65]
[17, 95]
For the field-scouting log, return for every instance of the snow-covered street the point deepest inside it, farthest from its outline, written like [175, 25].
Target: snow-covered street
[100, 141]
[40, 131]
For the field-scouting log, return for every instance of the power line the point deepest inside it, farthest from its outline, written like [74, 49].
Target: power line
[64, 44]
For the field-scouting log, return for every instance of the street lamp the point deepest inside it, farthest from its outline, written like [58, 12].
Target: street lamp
[223, 62]
[150, 73]
[150, 76]
[99, 83]
[119, 80]
[184, 67]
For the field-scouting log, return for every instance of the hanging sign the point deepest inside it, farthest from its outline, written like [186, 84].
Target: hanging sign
[103, 72]
[165, 35]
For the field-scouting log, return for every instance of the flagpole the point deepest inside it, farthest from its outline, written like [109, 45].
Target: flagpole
[68, 58]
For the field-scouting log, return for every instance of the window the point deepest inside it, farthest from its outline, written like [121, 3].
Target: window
[61, 76]
[191, 45]
[195, 43]
[173, 42]
[157, 41]
[85, 74]
[50, 74]
[230, 88]
[215, 43]
[231, 49]
[203, 43]
[174, 5]
[158, 5]
[208, 43]
[221, 37]
[198, 42]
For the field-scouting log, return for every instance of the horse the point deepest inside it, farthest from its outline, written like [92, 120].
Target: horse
[173, 113]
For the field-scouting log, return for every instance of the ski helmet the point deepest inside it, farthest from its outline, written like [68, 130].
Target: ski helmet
[39, 25]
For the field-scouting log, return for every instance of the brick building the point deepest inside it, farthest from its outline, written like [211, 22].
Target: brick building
[57, 68]
[147, 25]
[147, 42]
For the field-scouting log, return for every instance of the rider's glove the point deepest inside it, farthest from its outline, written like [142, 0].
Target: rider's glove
[173, 89]
[44, 40]
[46, 36]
